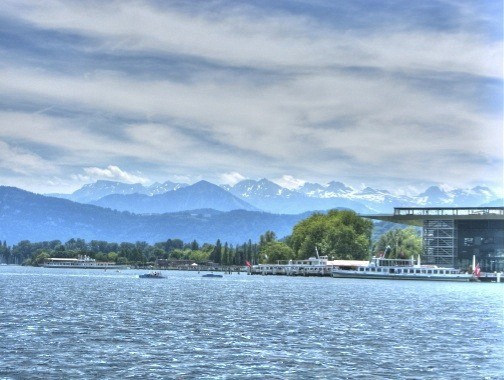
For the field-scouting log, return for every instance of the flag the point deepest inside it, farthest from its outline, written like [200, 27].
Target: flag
[477, 271]
[248, 264]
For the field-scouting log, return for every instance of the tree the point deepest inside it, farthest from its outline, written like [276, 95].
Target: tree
[40, 258]
[337, 234]
[215, 256]
[403, 243]
[112, 256]
[194, 245]
[275, 251]
[268, 237]
[199, 256]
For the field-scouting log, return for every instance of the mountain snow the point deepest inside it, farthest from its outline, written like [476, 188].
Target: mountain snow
[269, 196]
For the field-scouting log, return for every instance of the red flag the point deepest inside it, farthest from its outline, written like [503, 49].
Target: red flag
[477, 271]
[248, 263]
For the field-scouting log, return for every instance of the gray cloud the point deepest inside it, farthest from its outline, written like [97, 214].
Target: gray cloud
[240, 91]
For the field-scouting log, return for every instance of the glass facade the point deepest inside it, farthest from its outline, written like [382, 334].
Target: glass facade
[453, 235]
[485, 240]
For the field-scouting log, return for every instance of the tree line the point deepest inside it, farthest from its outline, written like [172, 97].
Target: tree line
[336, 234]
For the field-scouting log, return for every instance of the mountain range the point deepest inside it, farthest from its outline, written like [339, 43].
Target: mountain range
[205, 212]
[265, 195]
[34, 217]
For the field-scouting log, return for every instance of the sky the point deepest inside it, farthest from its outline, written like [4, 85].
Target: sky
[390, 94]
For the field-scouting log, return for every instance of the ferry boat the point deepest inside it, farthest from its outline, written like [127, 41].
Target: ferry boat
[81, 262]
[402, 269]
[314, 266]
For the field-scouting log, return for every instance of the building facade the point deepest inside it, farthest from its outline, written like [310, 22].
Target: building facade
[453, 235]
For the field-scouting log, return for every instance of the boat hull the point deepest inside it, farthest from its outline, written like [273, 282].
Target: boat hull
[150, 276]
[417, 277]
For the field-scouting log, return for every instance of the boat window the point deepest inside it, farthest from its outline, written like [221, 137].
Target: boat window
[372, 269]
[399, 271]
[378, 269]
[434, 271]
[429, 271]
[361, 269]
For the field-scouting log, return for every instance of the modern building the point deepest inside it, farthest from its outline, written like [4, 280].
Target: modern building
[452, 235]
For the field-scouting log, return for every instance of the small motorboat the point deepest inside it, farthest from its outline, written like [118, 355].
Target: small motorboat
[151, 275]
[212, 275]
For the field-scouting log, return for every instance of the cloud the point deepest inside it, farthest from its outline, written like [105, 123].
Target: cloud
[112, 172]
[334, 91]
[247, 37]
[231, 178]
[289, 182]
[20, 161]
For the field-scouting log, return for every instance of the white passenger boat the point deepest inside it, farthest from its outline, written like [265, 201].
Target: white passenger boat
[81, 262]
[314, 266]
[401, 269]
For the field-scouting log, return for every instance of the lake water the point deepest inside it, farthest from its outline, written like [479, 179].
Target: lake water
[94, 324]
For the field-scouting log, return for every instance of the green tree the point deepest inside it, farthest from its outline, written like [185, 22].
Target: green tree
[401, 243]
[215, 256]
[275, 251]
[40, 258]
[268, 237]
[199, 256]
[112, 256]
[337, 234]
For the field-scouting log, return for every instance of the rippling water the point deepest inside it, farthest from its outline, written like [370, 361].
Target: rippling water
[88, 324]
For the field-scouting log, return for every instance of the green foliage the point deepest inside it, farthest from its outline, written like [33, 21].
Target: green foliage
[403, 243]
[267, 237]
[40, 258]
[275, 251]
[337, 234]
[199, 256]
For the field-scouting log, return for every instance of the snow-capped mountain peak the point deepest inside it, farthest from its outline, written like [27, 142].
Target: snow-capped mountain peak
[266, 195]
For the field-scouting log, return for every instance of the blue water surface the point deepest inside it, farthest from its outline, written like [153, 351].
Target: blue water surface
[96, 324]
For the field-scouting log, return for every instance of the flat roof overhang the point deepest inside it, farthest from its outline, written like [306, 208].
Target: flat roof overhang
[415, 216]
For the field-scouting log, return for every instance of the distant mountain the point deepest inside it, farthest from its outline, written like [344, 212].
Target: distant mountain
[201, 195]
[28, 216]
[161, 188]
[102, 188]
[267, 196]
[434, 196]
[99, 189]
[331, 190]
[496, 203]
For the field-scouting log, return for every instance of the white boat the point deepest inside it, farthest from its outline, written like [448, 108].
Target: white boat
[81, 262]
[401, 269]
[314, 266]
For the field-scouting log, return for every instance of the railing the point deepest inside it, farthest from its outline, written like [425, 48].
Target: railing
[448, 211]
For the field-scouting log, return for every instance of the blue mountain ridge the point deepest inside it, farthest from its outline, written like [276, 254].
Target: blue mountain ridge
[34, 217]
[267, 196]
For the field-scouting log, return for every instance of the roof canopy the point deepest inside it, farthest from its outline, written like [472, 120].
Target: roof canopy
[415, 216]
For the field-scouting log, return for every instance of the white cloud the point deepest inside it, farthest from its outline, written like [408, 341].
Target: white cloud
[289, 182]
[248, 37]
[21, 161]
[273, 93]
[231, 178]
[112, 172]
